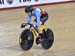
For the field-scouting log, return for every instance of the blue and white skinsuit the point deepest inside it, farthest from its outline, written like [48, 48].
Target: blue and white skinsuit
[37, 14]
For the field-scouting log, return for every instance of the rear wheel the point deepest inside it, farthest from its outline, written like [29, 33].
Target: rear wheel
[26, 39]
[48, 39]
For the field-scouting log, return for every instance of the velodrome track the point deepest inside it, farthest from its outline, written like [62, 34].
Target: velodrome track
[61, 21]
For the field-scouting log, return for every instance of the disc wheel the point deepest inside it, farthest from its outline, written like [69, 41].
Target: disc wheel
[48, 39]
[26, 39]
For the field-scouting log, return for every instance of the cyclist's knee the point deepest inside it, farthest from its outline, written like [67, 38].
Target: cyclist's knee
[39, 29]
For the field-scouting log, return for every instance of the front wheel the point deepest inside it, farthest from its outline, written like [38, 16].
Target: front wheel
[48, 39]
[26, 39]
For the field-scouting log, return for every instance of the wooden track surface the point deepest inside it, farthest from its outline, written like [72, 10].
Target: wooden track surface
[61, 21]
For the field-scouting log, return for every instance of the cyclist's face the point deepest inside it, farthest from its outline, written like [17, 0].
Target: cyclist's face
[29, 13]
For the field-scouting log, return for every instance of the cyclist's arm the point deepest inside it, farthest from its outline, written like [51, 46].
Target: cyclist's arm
[38, 18]
[28, 19]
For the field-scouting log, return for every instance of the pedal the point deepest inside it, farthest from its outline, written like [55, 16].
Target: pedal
[38, 41]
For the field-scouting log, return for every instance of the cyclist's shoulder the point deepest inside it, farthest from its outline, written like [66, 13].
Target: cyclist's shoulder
[37, 10]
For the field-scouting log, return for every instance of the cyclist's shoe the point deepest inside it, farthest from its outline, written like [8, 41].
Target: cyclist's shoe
[38, 40]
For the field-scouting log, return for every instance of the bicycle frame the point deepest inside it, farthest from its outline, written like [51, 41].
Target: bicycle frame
[35, 33]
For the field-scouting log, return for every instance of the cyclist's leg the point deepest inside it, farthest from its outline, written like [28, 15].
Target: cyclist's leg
[38, 40]
[39, 30]
[44, 18]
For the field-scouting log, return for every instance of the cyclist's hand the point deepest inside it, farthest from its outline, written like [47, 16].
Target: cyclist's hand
[23, 25]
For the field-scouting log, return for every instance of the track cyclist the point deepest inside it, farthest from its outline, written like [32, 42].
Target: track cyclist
[41, 16]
